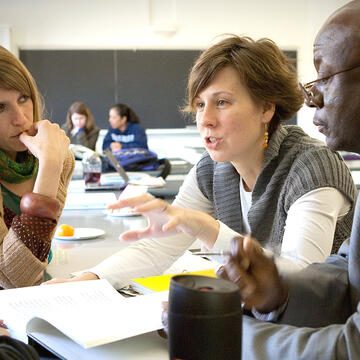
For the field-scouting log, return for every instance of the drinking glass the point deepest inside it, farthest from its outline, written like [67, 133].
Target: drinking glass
[91, 170]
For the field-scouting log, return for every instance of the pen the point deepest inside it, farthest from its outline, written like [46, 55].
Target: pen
[209, 253]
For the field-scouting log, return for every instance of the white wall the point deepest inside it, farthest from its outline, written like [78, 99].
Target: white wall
[194, 24]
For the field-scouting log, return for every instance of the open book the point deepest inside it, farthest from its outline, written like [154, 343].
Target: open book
[91, 313]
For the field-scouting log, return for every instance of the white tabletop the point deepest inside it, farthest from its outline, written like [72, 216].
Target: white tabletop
[72, 256]
[76, 255]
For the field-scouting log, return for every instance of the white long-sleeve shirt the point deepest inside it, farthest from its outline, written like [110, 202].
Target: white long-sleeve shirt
[308, 236]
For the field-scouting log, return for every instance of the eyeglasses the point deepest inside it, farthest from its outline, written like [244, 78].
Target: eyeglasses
[306, 88]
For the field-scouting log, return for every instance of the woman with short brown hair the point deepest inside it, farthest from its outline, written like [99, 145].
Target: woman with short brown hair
[263, 68]
[257, 176]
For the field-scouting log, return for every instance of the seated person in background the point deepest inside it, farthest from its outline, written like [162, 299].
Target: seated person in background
[80, 126]
[12, 349]
[125, 131]
[289, 190]
[35, 169]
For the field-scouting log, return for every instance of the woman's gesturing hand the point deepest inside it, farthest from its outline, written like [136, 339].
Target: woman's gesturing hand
[165, 220]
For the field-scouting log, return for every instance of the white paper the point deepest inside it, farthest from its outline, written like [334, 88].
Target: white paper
[132, 191]
[149, 346]
[150, 181]
[189, 262]
[115, 178]
[89, 200]
[91, 313]
[129, 192]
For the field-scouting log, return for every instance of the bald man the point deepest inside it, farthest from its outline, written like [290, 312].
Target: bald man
[320, 304]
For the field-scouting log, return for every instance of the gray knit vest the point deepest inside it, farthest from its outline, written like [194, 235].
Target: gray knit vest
[294, 164]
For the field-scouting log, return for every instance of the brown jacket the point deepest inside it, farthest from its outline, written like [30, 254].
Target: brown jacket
[18, 266]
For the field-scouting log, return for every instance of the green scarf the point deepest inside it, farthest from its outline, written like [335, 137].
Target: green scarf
[18, 172]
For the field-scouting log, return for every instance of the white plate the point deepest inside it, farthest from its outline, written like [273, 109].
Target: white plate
[120, 213]
[82, 234]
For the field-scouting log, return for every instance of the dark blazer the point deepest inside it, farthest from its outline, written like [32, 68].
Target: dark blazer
[322, 318]
[322, 321]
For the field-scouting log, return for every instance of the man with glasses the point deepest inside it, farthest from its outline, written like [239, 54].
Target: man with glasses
[320, 304]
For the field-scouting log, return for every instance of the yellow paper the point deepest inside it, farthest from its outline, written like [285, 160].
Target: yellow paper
[162, 282]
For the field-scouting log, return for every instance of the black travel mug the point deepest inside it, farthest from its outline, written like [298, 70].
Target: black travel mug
[204, 319]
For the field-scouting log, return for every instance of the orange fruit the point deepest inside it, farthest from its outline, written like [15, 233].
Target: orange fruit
[65, 230]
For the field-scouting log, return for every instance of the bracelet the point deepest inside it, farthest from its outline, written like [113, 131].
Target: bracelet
[40, 206]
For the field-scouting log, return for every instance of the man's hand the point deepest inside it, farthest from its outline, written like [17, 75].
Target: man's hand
[255, 274]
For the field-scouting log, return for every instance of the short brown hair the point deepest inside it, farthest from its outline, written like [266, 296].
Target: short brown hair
[15, 76]
[267, 73]
[80, 108]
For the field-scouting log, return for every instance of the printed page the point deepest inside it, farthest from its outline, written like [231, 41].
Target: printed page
[89, 312]
[20, 305]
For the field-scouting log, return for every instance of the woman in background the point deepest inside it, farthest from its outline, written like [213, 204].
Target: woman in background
[125, 131]
[80, 126]
[35, 170]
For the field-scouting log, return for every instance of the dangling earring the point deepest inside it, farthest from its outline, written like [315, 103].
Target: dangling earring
[266, 136]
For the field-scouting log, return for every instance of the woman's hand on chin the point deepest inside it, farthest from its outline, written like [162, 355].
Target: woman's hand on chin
[47, 142]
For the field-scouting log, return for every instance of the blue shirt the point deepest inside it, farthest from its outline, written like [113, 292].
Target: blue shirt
[134, 136]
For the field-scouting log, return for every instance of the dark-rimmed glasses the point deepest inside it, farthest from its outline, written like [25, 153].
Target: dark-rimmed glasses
[306, 88]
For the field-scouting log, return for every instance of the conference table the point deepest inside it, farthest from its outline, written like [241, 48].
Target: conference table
[77, 255]
[71, 256]
[74, 255]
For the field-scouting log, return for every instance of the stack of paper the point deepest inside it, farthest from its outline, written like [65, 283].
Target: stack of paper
[115, 178]
[91, 313]
[89, 200]
[186, 264]
[135, 178]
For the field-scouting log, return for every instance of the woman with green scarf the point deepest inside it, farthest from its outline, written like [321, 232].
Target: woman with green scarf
[35, 170]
